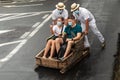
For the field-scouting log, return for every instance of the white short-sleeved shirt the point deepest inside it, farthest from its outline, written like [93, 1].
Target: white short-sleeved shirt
[84, 14]
[56, 14]
[57, 30]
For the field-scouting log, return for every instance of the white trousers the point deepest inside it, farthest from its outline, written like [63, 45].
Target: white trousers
[93, 27]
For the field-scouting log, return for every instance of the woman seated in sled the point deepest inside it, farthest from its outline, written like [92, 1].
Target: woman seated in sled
[57, 31]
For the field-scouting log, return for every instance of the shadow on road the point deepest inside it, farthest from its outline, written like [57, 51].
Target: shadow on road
[80, 70]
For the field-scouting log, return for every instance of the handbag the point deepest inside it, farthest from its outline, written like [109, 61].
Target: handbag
[53, 37]
[62, 50]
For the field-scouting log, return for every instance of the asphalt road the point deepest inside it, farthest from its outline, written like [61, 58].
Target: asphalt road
[24, 28]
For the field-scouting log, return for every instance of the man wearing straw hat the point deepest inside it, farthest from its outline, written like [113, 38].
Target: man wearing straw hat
[60, 11]
[87, 21]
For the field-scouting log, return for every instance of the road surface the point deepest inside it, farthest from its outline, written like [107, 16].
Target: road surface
[24, 28]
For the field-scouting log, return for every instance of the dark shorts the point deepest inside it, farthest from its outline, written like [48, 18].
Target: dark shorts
[53, 37]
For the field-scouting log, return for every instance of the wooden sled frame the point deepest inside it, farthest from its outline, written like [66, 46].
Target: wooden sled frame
[74, 57]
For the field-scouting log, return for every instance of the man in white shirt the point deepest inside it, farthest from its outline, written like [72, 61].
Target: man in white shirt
[60, 11]
[87, 21]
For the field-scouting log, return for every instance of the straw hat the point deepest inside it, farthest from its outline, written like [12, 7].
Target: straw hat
[74, 6]
[60, 5]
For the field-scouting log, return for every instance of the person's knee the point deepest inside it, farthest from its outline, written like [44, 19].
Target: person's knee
[53, 42]
[70, 43]
[58, 40]
[49, 41]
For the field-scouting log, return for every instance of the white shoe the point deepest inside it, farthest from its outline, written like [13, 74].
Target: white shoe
[103, 45]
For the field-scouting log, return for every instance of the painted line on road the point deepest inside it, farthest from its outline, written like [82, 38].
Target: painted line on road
[45, 16]
[12, 6]
[4, 15]
[14, 2]
[41, 12]
[5, 31]
[13, 16]
[14, 51]
[8, 43]
[22, 15]
[25, 35]
[36, 24]
[37, 29]
[35, 0]
[65, 1]
[42, 0]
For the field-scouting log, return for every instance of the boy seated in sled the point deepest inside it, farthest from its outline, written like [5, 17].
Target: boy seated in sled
[73, 32]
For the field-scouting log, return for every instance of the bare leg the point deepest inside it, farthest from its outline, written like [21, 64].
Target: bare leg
[52, 49]
[58, 41]
[47, 48]
[69, 45]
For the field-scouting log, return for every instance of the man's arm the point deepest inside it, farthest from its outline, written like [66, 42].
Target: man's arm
[53, 18]
[87, 26]
[86, 18]
[65, 17]
[51, 29]
[65, 22]
[54, 22]
[77, 37]
[63, 34]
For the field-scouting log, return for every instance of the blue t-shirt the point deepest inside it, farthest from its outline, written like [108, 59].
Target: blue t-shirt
[72, 31]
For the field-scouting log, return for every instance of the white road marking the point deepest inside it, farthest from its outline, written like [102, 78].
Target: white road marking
[12, 17]
[5, 31]
[36, 0]
[65, 1]
[4, 15]
[42, 0]
[14, 2]
[36, 24]
[45, 16]
[14, 51]
[37, 29]
[22, 15]
[11, 6]
[25, 35]
[41, 12]
[8, 43]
